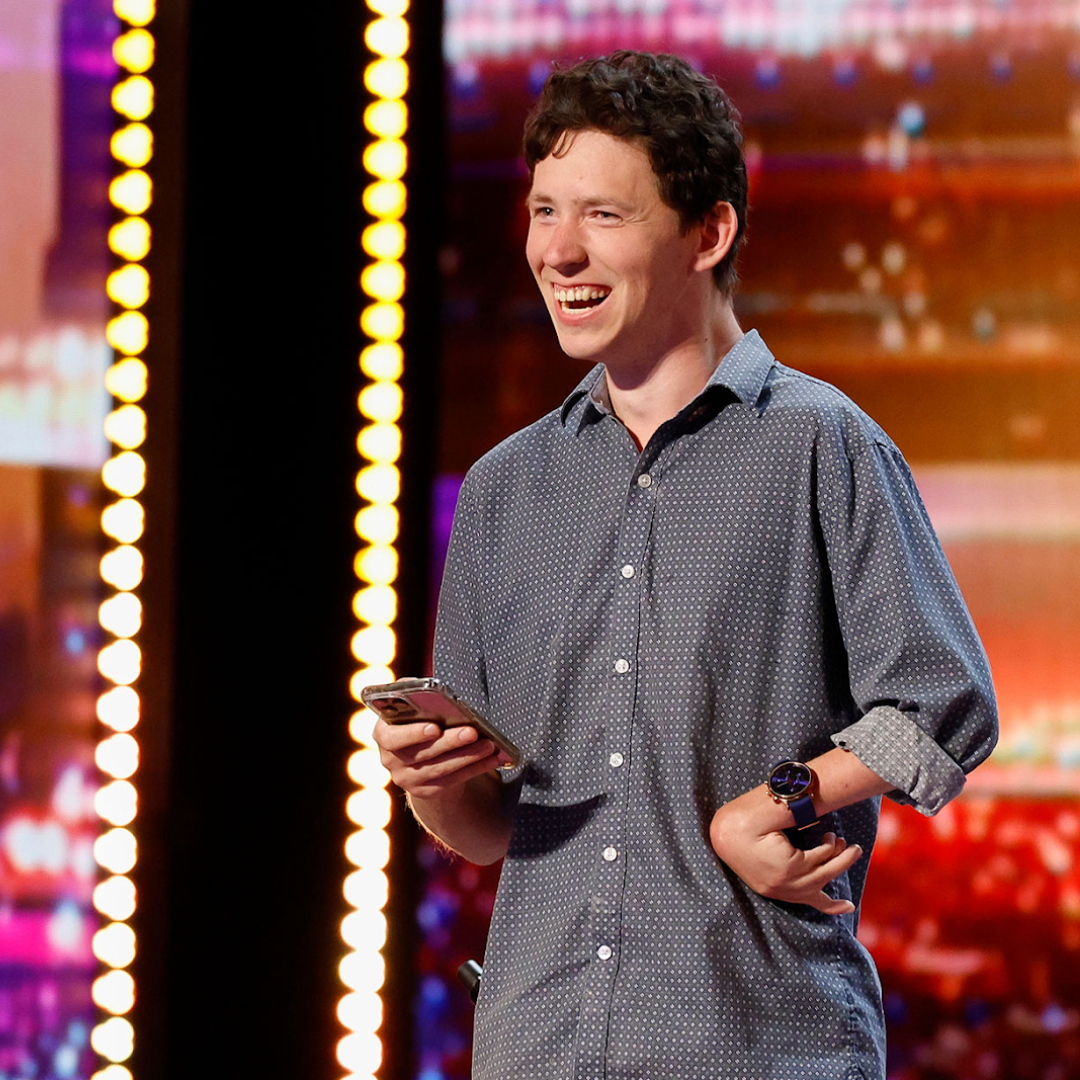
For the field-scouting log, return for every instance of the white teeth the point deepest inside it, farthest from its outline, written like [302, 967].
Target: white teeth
[579, 293]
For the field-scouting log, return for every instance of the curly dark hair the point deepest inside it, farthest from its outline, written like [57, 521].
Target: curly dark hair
[682, 119]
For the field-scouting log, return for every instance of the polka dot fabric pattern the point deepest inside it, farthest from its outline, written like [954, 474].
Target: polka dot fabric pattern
[656, 630]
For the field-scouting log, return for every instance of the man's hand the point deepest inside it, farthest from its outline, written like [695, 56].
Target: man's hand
[424, 760]
[748, 836]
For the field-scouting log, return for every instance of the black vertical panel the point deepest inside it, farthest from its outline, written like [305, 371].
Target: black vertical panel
[265, 422]
[425, 215]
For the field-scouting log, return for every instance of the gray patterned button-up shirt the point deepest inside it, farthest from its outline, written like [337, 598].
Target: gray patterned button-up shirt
[656, 630]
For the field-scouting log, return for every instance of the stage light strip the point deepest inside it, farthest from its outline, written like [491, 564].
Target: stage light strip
[122, 520]
[378, 482]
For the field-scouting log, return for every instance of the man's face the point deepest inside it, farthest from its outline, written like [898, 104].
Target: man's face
[613, 264]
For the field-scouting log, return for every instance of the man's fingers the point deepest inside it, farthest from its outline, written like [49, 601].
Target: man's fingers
[435, 779]
[422, 741]
[395, 737]
[829, 904]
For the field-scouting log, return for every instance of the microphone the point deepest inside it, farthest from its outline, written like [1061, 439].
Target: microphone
[469, 976]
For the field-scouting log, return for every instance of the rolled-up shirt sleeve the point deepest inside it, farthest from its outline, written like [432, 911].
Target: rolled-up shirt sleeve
[918, 673]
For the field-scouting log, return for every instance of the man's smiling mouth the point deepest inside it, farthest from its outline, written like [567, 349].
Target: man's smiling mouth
[581, 297]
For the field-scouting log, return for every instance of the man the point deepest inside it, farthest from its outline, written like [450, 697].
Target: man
[702, 564]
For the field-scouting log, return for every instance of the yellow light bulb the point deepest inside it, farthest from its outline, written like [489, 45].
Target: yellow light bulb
[120, 662]
[378, 525]
[115, 897]
[381, 402]
[380, 443]
[125, 474]
[130, 239]
[361, 811]
[114, 992]
[384, 240]
[128, 333]
[126, 426]
[383, 280]
[387, 119]
[388, 36]
[113, 1072]
[360, 1012]
[378, 564]
[118, 757]
[390, 8]
[123, 520]
[376, 604]
[121, 614]
[387, 78]
[370, 807]
[386, 158]
[374, 645]
[122, 567]
[116, 851]
[119, 708]
[366, 889]
[385, 199]
[114, 945]
[360, 1054]
[131, 191]
[133, 145]
[134, 97]
[368, 847]
[127, 379]
[384, 360]
[362, 722]
[379, 483]
[364, 767]
[136, 12]
[383, 322]
[117, 803]
[114, 1040]
[129, 286]
[365, 973]
[364, 929]
[134, 51]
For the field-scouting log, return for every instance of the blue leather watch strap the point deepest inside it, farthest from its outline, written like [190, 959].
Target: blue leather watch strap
[803, 811]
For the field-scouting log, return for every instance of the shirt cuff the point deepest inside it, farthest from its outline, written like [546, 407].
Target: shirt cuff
[890, 743]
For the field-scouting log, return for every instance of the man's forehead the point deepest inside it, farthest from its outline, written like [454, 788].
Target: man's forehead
[603, 163]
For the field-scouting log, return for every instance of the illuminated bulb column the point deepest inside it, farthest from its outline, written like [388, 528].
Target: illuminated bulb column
[122, 520]
[378, 484]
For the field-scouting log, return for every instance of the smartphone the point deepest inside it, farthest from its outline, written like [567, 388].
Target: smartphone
[408, 701]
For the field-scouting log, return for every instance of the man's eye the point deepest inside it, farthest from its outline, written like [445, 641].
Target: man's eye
[543, 211]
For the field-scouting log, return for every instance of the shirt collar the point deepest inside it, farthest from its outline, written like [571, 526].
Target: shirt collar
[743, 371]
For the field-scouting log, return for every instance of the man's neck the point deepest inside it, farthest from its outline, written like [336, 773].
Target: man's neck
[645, 397]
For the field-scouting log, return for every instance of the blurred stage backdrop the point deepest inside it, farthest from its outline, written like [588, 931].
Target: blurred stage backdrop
[915, 239]
[56, 64]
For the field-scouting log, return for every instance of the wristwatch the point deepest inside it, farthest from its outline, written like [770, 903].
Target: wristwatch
[794, 783]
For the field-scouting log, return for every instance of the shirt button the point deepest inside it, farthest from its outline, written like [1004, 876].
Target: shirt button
[610, 854]
[622, 666]
[616, 760]
[644, 480]
[627, 571]
[604, 952]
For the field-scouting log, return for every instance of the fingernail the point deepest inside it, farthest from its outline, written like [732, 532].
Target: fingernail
[431, 731]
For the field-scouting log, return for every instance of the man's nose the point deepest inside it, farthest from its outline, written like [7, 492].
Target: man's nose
[565, 246]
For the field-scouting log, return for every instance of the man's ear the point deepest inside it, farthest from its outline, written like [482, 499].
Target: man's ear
[718, 231]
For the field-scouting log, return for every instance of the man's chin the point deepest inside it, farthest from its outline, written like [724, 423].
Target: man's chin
[579, 346]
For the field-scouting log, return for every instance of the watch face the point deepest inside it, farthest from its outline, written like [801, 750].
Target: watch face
[790, 779]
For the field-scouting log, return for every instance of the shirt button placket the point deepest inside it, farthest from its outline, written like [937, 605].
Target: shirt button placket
[624, 632]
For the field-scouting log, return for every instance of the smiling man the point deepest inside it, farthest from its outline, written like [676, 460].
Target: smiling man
[705, 600]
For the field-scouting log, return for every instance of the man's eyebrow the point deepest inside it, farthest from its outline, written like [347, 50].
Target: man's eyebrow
[535, 197]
